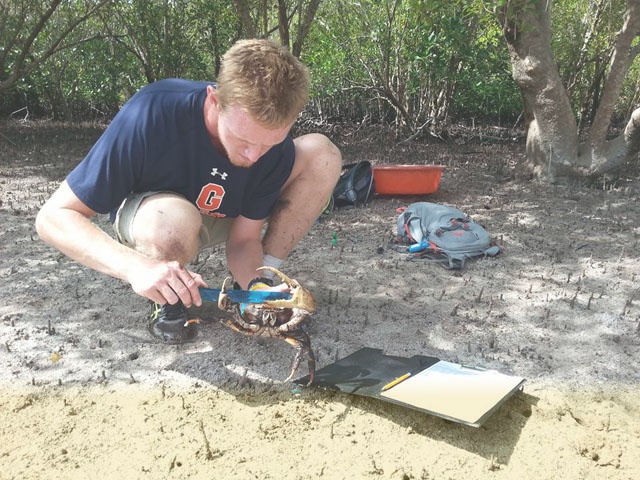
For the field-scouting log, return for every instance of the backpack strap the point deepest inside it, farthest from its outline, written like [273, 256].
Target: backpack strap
[413, 228]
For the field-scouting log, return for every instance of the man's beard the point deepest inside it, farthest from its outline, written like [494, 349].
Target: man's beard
[239, 163]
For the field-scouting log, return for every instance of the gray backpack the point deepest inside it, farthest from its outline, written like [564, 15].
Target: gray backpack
[443, 233]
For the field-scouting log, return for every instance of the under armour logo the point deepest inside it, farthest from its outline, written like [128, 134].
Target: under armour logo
[214, 172]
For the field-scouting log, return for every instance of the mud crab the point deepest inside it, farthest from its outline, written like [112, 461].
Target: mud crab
[283, 319]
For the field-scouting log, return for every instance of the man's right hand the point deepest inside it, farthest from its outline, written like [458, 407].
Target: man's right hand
[167, 282]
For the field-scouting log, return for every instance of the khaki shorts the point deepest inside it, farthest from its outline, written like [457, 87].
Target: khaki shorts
[213, 231]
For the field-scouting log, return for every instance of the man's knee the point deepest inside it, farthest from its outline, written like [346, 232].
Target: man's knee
[318, 158]
[167, 226]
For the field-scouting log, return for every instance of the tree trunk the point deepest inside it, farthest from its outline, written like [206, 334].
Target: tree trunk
[552, 134]
[552, 147]
[248, 27]
[283, 23]
[307, 16]
[286, 12]
[604, 155]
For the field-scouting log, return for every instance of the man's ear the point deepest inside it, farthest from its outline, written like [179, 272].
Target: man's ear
[212, 96]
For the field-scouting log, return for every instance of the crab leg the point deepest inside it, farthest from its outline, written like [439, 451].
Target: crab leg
[302, 346]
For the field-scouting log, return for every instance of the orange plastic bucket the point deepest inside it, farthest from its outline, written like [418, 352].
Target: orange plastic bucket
[407, 179]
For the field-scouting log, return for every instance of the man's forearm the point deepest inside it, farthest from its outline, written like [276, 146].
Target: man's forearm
[81, 240]
[244, 259]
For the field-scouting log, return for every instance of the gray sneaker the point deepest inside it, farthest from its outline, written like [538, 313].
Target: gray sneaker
[170, 324]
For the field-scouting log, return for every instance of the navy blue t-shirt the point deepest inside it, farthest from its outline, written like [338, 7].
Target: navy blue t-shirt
[158, 142]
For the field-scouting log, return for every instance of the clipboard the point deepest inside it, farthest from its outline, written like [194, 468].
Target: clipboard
[463, 394]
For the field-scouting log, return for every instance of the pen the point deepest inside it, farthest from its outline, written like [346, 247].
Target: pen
[395, 382]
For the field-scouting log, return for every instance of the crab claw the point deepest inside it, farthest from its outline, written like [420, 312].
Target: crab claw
[223, 299]
[300, 297]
